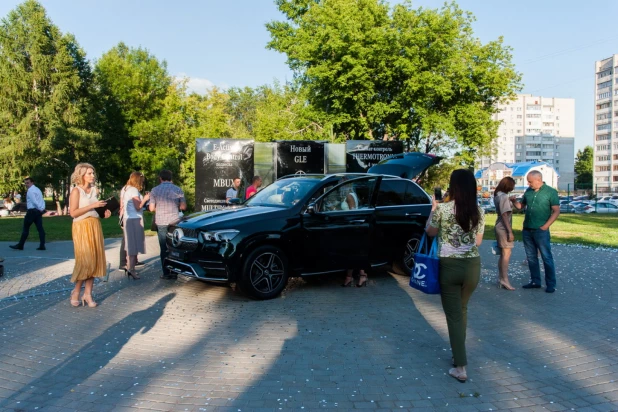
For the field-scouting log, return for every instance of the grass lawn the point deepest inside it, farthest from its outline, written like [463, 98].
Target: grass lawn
[584, 229]
[59, 228]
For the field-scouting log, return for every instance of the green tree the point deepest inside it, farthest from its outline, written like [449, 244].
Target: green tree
[583, 168]
[45, 110]
[417, 74]
[134, 87]
[270, 113]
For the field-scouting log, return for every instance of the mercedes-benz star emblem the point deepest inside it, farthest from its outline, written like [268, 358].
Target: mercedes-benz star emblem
[177, 237]
[300, 173]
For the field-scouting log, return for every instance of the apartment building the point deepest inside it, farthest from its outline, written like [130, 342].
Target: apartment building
[536, 128]
[605, 131]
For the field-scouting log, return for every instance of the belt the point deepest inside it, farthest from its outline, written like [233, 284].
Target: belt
[530, 230]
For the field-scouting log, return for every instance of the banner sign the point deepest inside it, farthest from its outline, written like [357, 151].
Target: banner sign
[299, 157]
[363, 154]
[217, 163]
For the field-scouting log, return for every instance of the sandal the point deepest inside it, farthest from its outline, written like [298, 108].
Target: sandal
[75, 302]
[460, 376]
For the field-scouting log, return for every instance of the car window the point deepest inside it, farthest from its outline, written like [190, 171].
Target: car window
[355, 194]
[282, 193]
[415, 195]
[392, 193]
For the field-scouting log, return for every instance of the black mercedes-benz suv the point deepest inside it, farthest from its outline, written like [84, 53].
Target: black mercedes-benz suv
[307, 225]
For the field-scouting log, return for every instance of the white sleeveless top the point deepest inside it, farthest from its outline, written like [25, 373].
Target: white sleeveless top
[86, 199]
[344, 204]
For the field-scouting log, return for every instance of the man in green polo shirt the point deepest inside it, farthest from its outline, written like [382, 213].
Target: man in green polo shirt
[542, 209]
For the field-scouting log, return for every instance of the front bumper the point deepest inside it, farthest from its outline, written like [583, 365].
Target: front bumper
[204, 266]
[213, 273]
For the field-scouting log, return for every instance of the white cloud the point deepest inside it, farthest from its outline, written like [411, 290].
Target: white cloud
[195, 84]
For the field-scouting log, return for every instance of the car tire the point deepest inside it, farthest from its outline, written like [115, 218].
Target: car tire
[405, 265]
[264, 273]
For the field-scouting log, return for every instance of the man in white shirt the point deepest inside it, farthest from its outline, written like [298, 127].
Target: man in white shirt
[36, 208]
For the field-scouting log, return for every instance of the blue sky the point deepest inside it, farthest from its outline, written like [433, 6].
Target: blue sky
[555, 42]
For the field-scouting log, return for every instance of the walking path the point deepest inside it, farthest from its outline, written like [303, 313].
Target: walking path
[192, 346]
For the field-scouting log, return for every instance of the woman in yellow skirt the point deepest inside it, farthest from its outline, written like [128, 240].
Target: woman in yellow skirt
[87, 234]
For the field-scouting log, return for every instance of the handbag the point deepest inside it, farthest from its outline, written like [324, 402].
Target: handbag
[426, 273]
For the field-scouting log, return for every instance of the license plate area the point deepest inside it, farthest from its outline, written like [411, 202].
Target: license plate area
[177, 254]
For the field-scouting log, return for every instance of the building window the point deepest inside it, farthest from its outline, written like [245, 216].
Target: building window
[602, 158]
[603, 147]
[604, 136]
[604, 73]
[604, 105]
[604, 116]
[605, 95]
[604, 126]
[604, 85]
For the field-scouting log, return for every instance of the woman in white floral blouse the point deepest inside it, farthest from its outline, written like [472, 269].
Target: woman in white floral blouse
[459, 225]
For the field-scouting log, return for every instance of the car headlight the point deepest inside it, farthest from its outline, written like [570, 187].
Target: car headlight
[219, 235]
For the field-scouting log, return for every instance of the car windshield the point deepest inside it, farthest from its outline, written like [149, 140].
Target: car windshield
[283, 193]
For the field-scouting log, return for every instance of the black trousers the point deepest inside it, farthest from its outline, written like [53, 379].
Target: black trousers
[33, 216]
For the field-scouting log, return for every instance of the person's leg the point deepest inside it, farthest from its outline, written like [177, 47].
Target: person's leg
[75, 293]
[123, 255]
[28, 220]
[472, 268]
[348, 278]
[162, 234]
[38, 222]
[503, 267]
[530, 247]
[451, 297]
[543, 240]
[87, 298]
[362, 279]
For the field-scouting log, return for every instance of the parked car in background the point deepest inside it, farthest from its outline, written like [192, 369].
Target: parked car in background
[566, 208]
[303, 225]
[614, 199]
[599, 207]
[487, 205]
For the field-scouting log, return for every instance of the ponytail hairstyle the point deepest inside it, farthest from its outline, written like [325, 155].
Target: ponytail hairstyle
[462, 188]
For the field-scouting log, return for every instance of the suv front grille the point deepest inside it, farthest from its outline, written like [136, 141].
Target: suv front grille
[189, 234]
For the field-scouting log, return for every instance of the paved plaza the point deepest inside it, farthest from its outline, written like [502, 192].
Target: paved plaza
[191, 346]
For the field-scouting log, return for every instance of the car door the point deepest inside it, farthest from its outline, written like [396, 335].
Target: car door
[337, 229]
[402, 209]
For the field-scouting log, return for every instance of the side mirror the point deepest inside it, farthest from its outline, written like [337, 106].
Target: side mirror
[234, 201]
[310, 209]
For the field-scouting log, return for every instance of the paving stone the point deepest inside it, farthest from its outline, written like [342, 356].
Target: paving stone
[187, 345]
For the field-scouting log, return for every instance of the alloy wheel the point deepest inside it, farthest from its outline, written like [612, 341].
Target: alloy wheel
[267, 272]
[408, 254]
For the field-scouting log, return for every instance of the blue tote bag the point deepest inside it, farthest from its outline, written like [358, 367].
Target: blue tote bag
[425, 275]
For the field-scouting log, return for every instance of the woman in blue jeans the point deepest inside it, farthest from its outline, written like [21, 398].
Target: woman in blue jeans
[459, 225]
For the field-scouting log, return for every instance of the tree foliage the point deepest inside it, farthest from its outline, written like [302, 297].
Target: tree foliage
[583, 167]
[417, 74]
[45, 99]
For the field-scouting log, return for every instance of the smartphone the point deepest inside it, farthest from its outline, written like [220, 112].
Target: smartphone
[437, 194]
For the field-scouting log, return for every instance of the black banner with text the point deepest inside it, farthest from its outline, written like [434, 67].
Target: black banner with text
[217, 163]
[363, 154]
[299, 157]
